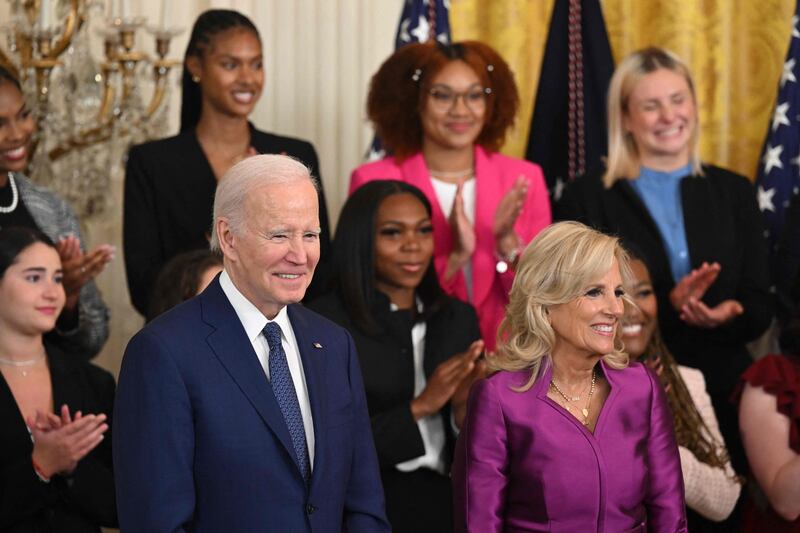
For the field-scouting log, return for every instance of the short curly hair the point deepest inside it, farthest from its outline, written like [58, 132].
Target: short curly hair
[402, 82]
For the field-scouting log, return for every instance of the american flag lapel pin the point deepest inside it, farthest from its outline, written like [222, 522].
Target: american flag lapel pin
[317, 345]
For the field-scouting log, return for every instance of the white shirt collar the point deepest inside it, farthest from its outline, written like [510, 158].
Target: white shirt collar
[251, 318]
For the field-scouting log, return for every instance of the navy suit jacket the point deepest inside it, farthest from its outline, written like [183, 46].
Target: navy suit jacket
[200, 443]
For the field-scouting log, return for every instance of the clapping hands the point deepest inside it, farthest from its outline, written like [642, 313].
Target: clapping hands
[59, 443]
[686, 299]
[79, 267]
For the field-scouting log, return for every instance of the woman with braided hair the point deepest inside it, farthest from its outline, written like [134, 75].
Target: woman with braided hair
[170, 183]
[712, 487]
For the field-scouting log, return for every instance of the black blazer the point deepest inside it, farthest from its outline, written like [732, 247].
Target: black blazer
[169, 201]
[81, 502]
[387, 364]
[723, 224]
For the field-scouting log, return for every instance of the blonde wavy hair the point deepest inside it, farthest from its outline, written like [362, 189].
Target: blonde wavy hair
[623, 155]
[556, 267]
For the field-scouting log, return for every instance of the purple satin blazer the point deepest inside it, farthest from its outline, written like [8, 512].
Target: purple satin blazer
[523, 463]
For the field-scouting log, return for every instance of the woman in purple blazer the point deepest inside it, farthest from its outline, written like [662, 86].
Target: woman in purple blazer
[443, 111]
[568, 436]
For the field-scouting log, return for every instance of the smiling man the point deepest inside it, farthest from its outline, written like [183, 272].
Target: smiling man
[241, 410]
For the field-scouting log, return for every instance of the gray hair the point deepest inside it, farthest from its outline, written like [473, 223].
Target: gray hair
[242, 178]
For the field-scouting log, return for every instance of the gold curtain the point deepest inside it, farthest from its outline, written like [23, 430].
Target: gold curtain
[735, 49]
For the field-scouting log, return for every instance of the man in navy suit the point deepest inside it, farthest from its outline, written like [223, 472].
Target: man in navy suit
[240, 410]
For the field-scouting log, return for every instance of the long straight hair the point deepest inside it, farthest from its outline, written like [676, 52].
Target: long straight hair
[209, 24]
[354, 253]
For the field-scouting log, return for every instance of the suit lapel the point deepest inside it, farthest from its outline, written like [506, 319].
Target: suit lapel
[314, 361]
[234, 351]
[415, 172]
[699, 229]
[489, 190]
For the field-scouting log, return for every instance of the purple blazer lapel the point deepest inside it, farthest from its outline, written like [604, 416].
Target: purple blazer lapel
[233, 349]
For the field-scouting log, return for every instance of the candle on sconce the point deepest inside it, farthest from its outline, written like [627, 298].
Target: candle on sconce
[125, 9]
[162, 19]
[45, 15]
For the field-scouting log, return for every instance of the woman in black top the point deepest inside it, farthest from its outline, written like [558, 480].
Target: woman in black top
[418, 348]
[170, 183]
[55, 445]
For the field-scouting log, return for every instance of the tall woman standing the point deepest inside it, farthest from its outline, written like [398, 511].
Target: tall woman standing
[697, 226]
[443, 112]
[170, 183]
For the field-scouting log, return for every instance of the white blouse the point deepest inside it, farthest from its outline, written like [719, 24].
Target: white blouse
[710, 491]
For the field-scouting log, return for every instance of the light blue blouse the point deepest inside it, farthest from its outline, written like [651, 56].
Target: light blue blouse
[661, 193]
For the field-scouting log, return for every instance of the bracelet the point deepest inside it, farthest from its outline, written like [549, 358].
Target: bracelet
[39, 472]
[505, 262]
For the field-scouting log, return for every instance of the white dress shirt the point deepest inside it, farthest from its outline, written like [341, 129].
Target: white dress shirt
[254, 322]
[431, 428]
[446, 194]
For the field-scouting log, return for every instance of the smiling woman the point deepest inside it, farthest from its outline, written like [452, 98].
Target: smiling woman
[170, 184]
[82, 326]
[417, 348]
[567, 436]
[442, 111]
[697, 226]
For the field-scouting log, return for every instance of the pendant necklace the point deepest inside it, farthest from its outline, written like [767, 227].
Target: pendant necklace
[567, 399]
[22, 366]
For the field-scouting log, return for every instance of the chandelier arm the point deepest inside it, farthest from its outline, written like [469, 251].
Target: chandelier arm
[73, 22]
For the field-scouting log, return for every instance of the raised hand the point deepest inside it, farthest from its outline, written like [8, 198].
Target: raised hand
[59, 443]
[445, 382]
[80, 268]
[694, 285]
[463, 234]
[698, 314]
[509, 208]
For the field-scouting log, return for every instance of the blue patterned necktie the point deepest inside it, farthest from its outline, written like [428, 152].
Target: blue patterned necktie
[283, 387]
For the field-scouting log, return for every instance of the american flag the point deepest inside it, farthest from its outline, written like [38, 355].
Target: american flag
[779, 170]
[420, 21]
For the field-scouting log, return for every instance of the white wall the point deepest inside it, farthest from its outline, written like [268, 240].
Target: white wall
[319, 56]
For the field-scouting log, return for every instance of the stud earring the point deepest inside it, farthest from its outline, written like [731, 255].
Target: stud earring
[196, 79]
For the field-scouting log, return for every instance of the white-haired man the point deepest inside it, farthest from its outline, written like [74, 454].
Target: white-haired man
[240, 410]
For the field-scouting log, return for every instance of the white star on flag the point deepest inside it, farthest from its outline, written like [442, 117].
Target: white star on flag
[765, 199]
[404, 35]
[795, 160]
[795, 33]
[788, 72]
[423, 30]
[558, 190]
[779, 117]
[772, 159]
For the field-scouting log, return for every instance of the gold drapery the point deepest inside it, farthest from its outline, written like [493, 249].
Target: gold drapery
[735, 49]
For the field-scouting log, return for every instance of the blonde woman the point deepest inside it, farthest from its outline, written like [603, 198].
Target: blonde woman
[567, 435]
[697, 226]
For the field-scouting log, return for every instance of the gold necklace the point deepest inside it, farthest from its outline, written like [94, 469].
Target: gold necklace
[585, 410]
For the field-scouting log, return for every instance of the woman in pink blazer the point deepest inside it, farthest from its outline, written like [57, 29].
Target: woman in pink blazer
[567, 436]
[443, 111]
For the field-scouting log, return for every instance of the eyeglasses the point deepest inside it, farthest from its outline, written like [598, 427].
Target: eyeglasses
[443, 98]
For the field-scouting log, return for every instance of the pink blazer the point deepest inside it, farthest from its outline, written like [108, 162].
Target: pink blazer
[523, 463]
[495, 174]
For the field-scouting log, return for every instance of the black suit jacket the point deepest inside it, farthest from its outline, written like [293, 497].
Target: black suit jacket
[722, 224]
[169, 201]
[85, 500]
[387, 364]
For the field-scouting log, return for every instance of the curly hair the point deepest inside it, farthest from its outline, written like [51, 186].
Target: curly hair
[398, 93]
[554, 269]
[179, 279]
